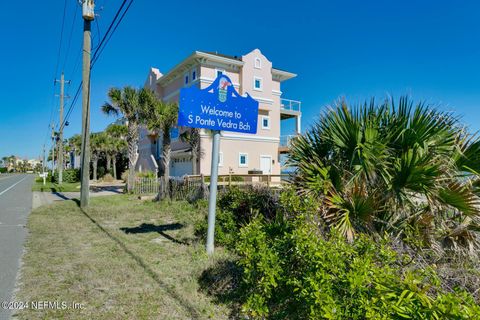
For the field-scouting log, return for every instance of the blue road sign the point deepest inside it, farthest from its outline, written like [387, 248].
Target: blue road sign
[218, 107]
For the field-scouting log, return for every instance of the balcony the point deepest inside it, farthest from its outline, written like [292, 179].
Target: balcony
[290, 108]
[285, 142]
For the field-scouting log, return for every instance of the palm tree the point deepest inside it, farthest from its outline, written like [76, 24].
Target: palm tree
[97, 146]
[162, 117]
[115, 144]
[392, 168]
[127, 102]
[192, 137]
[75, 144]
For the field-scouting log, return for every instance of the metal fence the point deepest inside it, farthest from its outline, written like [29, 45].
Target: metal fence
[196, 186]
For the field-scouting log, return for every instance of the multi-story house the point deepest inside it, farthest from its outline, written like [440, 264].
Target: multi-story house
[239, 153]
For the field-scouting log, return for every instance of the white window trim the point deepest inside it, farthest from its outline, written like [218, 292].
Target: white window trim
[187, 78]
[259, 65]
[261, 83]
[216, 72]
[242, 165]
[268, 118]
[220, 159]
[194, 71]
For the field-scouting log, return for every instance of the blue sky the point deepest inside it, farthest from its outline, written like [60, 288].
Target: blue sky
[357, 49]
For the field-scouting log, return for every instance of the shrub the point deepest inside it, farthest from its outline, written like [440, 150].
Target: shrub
[101, 172]
[3, 169]
[292, 271]
[146, 174]
[237, 207]
[108, 178]
[68, 175]
[124, 176]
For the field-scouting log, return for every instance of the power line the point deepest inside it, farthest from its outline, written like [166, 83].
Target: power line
[61, 38]
[70, 36]
[106, 37]
[110, 36]
[52, 108]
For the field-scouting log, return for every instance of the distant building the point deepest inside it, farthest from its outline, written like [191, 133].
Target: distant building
[239, 153]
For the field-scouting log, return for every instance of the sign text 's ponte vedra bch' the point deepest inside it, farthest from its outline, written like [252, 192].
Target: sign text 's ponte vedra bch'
[218, 107]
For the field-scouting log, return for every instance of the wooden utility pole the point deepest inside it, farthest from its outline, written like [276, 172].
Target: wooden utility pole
[88, 16]
[60, 146]
[53, 149]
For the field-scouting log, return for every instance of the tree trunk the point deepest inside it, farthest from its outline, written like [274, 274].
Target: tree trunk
[166, 150]
[95, 164]
[114, 165]
[109, 160]
[132, 141]
[194, 162]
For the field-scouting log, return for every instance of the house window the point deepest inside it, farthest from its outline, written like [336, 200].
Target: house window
[257, 84]
[243, 160]
[265, 122]
[220, 159]
[194, 75]
[258, 63]
[186, 78]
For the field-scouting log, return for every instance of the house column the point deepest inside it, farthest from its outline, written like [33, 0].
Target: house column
[298, 124]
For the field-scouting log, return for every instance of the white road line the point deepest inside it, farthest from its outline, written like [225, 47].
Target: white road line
[13, 185]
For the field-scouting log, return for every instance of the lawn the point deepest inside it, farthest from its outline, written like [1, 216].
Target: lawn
[120, 259]
[54, 187]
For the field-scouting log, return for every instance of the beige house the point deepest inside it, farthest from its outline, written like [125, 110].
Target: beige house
[239, 153]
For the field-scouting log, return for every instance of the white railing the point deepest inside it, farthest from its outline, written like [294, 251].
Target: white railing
[290, 105]
[286, 140]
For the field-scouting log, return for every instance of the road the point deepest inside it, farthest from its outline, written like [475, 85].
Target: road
[15, 206]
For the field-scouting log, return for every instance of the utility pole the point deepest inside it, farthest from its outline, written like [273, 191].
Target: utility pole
[88, 16]
[44, 160]
[60, 146]
[53, 149]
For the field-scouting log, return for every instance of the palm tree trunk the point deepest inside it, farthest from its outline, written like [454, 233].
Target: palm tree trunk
[166, 150]
[132, 141]
[109, 160]
[114, 165]
[194, 162]
[95, 164]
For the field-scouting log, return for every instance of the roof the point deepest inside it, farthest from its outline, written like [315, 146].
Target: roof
[278, 74]
[223, 55]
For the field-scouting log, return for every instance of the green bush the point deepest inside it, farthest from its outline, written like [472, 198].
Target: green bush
[293, 271]
[146, 174]
[68, 176]
[3, 169]
[101, 172]
[237, 207]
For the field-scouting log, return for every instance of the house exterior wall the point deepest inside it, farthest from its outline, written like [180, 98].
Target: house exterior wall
[242, 72]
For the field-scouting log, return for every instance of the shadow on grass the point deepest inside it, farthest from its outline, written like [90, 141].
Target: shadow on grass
[170, 291]
[148, 227]
[62, 196]
[222, 283]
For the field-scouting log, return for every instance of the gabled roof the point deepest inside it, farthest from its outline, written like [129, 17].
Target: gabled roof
[186, 64]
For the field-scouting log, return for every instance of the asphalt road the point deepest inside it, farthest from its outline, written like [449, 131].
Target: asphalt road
[15, 206]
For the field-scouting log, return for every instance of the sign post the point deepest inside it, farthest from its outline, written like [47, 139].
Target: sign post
[218, 107]
[212, 200]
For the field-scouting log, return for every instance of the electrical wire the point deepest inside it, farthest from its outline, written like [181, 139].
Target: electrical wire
[98, 51]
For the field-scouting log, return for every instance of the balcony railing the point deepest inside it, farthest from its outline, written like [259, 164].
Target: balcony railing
[290, 105]
[286, 140]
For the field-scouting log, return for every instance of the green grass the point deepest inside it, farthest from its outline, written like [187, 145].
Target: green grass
[121, 259]
[54, 187]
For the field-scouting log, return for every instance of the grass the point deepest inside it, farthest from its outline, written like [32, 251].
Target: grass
[54, 187]
[121, 259]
